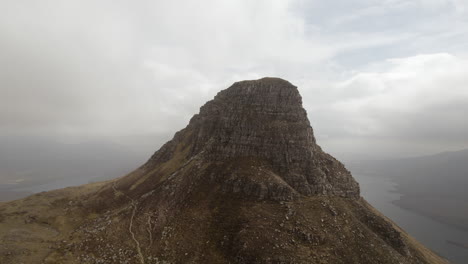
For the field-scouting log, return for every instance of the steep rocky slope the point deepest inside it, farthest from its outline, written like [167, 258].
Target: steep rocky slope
[244, 182]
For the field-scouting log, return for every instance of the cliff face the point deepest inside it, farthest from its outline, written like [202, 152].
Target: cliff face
[263, 120]
[244, 182]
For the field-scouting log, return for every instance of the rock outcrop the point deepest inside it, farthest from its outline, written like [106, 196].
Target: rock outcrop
[263, 120]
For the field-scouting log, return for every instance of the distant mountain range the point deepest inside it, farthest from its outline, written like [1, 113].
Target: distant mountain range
[432, 185]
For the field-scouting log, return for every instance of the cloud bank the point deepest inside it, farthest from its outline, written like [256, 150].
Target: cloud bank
[380, 77]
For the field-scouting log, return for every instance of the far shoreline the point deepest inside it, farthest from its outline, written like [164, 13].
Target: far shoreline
[401, 203]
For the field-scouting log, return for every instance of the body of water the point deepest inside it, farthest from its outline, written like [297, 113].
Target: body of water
[16, 191]
[439, 237]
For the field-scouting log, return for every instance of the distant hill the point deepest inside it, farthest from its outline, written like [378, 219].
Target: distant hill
[432, 185]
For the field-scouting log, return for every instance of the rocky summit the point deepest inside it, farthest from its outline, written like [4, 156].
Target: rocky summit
[244, 182]
[261, 123]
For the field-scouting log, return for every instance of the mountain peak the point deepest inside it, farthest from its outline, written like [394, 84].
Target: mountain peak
[262, 121]
[268, 81]
[262, 91]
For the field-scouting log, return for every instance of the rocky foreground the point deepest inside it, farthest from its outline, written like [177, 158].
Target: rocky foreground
[244, 182]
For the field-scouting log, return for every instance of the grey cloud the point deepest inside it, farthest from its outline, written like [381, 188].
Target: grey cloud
[135, 72]
[417, 104]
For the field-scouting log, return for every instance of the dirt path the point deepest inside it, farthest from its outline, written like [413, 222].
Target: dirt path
[150, 231]
[134, 205]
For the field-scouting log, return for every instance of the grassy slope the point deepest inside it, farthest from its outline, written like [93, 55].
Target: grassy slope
[30, 228]
[211, 229]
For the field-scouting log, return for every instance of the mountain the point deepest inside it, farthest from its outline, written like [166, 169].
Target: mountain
[433, 185]
[244, 182]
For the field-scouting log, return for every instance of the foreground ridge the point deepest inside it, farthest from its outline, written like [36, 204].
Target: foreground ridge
[244, 182]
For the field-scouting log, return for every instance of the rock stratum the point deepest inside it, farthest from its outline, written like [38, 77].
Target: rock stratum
[244, 182]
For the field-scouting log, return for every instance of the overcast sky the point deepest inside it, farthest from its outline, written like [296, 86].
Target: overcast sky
[379, 78]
